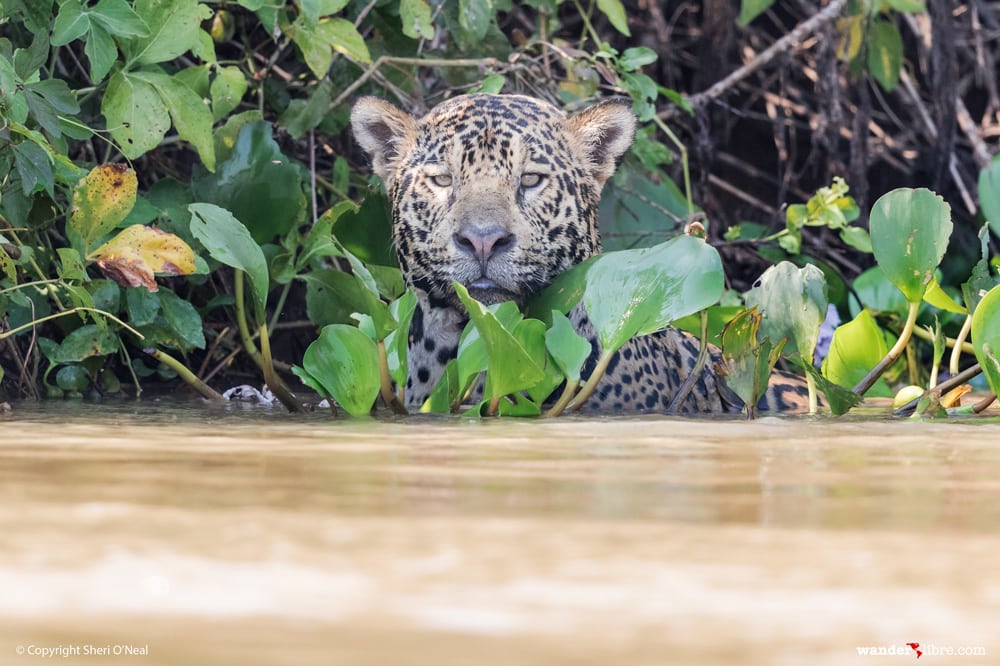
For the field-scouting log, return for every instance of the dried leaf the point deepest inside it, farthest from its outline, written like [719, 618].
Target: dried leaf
[134, 255]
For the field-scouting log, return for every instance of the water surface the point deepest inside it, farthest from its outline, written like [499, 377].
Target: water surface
[214, 536]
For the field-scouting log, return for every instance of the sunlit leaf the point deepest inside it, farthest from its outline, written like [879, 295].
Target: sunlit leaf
[345, 361]
[986, 337]
[133, 256]
[509, 367]
[101, 200]
[940, 299]
[910, 231]
[792, 302]
[615, 11]
[885, 53]
[856, 348]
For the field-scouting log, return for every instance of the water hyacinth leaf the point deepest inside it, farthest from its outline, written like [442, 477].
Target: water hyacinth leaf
[136, 253]
[838, 399]
[636, 292]
[229, 242]
[509, 366]
[940, 299]
[445, 393]
[522, 407]
[345, 362]
[876, 294]
[101, 200]
[982, 279]
[909, 233]
[473, 356]
[748, 362]
[857, 347]
[333, 295]
[989, 193]
[531, 334]
[560, 296]
[986, 337]
[792, 302]
[568, 349]
[396, 343]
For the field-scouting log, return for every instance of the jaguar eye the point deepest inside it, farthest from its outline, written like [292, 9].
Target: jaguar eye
[442, 180]
[529, 180]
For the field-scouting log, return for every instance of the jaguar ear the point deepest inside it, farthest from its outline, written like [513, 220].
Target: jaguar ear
[383, 131]
[606, 131]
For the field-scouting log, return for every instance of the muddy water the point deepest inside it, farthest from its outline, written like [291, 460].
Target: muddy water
[197, 536]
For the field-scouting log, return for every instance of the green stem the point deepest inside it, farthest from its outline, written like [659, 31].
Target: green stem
[280, 306]
[274, 382]
[813, 399]
[595, 377]
[682, 149]
[699, 364]
[494, 406]
[894, 353]
[35, 322]
[949, 342]
[241, 322]
[945, 386]
[182, 371]
[388, 395]
[564, 398]
[957, 349]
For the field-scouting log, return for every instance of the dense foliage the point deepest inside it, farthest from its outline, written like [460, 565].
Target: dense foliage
[179, 195]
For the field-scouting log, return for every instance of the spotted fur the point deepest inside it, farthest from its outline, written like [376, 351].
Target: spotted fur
[500, 193]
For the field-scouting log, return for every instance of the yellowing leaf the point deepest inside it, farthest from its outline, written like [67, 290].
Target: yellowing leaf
[134, 255]
[101, 200]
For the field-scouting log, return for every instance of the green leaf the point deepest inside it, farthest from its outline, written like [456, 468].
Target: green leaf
[345, 39]
[345, 361]
[142, 305]
[748, 362]
[982, 279]
[792, 302]
[568, 348]
[615, 12]
[637, 56]
[101, 200]
[940, 299]
[751, 9]
[70, 264]
[34, 165]
[857, 237]
[304, 115]
[885, 53]
[445, 393]
[839, 399]
[136, 115]
[118, 19]
[415, 16]
[986, 337]
[856, 348]
[510, 368]
[912, 6]
[73, 378]
[910, 231]
[173, 29]
[636, 292]
[229, 242]
[397, 342]
[185, 321]
[989, 193]
[191, 116]
[87, 341]
[227, 91]
[877, 294]
[474, 17]
[314, 9]
[260, 185]
[71, 23]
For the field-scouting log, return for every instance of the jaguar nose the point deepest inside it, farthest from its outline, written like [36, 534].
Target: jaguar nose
[483, 244]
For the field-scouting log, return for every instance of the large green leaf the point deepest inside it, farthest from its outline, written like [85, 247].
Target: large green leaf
[173, 29]
[747, 361]
[229, 242]
[857, 347]
[792, 302]
[989, 193]
[345, 362]
[397, 342]
[260, 185]
[84, 342]
[635, 292]
[136, 115]
[567, 347]
[190, 113]
[986, 337]
[509, 368]
[910, 231]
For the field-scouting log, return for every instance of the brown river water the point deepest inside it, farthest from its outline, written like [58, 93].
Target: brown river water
[198, 535]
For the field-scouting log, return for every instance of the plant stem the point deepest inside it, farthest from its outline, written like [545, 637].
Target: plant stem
[813, 399]
[564, 398]
[956, 351]
[949, 342]
[81, 308]
[182, 371]
[699, 364]
[894, 353]
[588, 388]
[943, 387]
[280, 306]
[274, 382]
[388, 395]
[682, 149]
[494, 406]
[241, 322]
